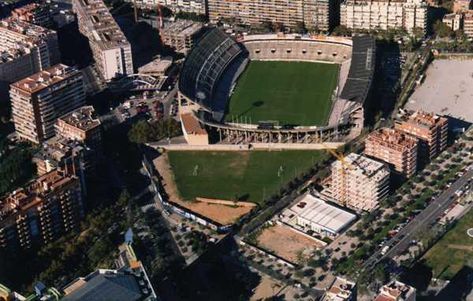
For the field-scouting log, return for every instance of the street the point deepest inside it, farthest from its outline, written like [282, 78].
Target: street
[403, 238]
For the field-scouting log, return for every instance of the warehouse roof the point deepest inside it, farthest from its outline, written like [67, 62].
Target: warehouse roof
[106, 285]
[329, 217]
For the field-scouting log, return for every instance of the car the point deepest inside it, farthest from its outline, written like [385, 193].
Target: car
[385, 250]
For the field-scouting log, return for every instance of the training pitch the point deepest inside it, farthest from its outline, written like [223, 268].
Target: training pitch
[292, 93]
[246, 176]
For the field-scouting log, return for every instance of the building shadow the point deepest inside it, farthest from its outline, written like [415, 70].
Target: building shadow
[385, 87]
[74, 46]
[216, 275]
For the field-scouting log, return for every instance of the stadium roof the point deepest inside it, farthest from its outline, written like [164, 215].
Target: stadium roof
[326, 216]
[106, 286]
[205, 64]
[361, 70]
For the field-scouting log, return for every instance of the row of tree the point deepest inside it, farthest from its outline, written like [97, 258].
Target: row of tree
[144, 131]
[15, 165]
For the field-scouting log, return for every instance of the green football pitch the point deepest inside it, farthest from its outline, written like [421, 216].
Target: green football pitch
[250, 176]
[292, 93]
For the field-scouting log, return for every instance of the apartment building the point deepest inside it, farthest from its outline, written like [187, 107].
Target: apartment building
[395, 148]
[189, 6]
[429, 128]
[359, 182]
[181, 35]
[461, 5]
[320, 14]
[384, 14]
[69, 155]
[468, 24]
[341, 289]
[42, 211]
[110, 48]
[38, 100]
[36, 13]
[81, 125]
[396, 291]
[463, 19]
[453, 21]
[25, 49]
[41, 293]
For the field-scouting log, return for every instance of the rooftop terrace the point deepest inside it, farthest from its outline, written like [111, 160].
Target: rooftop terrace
[43, 79]
[392, 138]
[30, 195]
[83, 118]
[102, 25]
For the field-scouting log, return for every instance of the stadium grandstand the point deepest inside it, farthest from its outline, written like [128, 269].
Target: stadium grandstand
[289, 48]
[204, 66]
[358, 83]
[216, 63]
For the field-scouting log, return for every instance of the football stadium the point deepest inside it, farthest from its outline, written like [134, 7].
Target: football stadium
[277, 88]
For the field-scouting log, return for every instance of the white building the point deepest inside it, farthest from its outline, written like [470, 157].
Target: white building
[376, 14]
[189, 6]
[340, 290]
[320, 14]
[40, 99]
[110, 48]
[181, 35]
[312, 213]
[453, 21]
[25, 49]
[359, 183]
[396, 291]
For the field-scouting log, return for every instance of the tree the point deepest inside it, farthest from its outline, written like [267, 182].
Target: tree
[15, 165]
[278, 27]
[418, 33]
[341, 31]
[192, 16]
[300, 27]
[143, 131]
[140, 132]
[442, 30]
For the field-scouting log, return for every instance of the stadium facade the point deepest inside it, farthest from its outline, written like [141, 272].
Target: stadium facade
[215, 63]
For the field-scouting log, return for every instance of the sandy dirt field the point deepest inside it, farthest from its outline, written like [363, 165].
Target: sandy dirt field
[222, 214]
[287, 243]
[446, 90]
[267, 288]
[162, 166]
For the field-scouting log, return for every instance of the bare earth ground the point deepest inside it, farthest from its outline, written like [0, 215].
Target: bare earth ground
[162, 166]
[222, 214]
[461, 247]
[446, 90]
[287, 243]
[267, 288]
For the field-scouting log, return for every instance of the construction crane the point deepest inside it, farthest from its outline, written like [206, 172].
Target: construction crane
[353, 165]
[341, 158]
[160, 20]
[135, 11]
